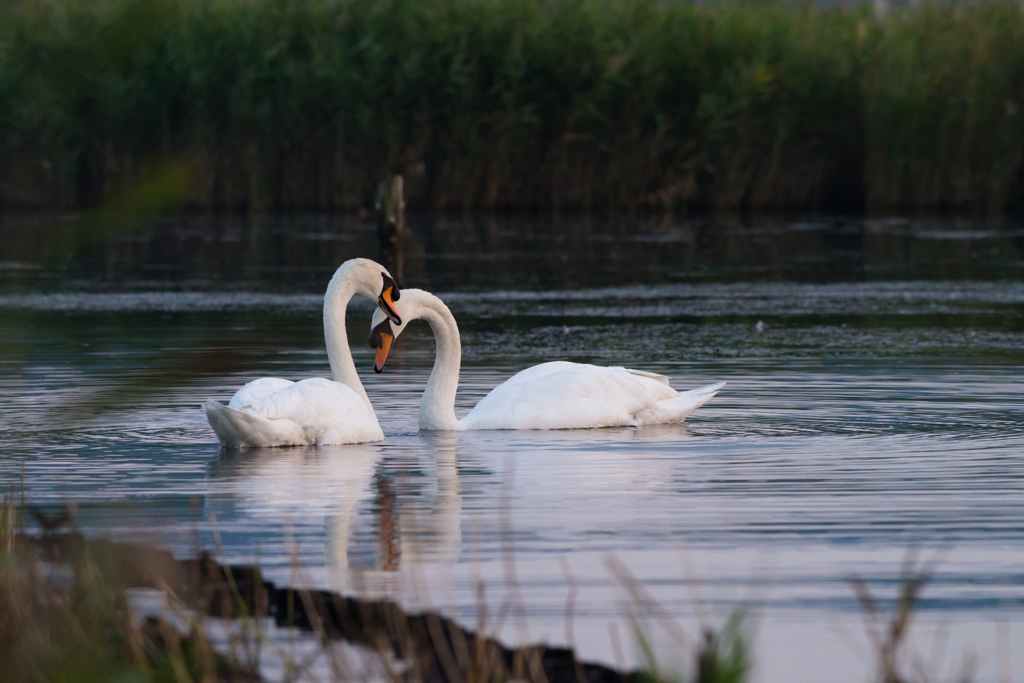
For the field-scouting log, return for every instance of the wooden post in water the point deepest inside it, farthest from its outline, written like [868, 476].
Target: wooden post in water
[390, 210]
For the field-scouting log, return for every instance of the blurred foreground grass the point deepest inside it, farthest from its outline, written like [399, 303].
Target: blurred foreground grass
[70, 611]
[302, 104]
[67, 614]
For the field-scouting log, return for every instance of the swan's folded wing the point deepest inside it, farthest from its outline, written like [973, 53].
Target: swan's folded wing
[649, 375]
[525, 378]
[236, 428]
[568, 396]
[313, 411]
[257, 391]
[313, 401]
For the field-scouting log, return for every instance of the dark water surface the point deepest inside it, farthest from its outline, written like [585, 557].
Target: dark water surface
[874, 412]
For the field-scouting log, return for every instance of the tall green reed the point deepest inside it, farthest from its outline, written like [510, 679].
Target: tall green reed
[576, 104]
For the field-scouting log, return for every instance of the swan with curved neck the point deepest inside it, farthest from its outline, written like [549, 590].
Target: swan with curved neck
[278, 412]
[555, 395]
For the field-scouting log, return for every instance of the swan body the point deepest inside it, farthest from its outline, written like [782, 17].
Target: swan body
[278, 412]
[311, 412]
[554, 395]
[562, 395]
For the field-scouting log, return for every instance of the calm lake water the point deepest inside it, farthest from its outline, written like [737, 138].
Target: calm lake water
[874, 415]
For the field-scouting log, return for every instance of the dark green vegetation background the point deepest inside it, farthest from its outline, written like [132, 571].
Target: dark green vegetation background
[518, 104]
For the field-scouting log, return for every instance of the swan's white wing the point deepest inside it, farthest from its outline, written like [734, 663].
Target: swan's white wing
[256, 391]
[313, 411]
[238, 429]
[311, 400]
[330, 412]
[562, 395]
[649, 375]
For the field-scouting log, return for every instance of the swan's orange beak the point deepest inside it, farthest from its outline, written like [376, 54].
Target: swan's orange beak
[388, 296]
[381, 339]
[382, 353]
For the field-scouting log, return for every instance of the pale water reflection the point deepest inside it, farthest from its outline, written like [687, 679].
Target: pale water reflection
[348, 488]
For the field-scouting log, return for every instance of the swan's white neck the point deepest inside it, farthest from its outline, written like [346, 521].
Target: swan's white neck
[437, 409]
[353, 277]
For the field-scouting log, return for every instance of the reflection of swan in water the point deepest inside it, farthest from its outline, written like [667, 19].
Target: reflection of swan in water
[435, 537]
[373, 524]
[295, 484]
[408, 529]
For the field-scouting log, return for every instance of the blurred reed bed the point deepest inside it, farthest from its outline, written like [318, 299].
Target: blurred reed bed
[566, 104]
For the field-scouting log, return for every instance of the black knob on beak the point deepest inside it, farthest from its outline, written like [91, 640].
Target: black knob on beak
[376, 341]
[389, 281]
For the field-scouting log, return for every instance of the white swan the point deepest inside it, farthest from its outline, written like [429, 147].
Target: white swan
[556, 395]
[277, 412]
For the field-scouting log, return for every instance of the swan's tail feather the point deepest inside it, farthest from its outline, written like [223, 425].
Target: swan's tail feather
[676, 409]
[709, 391]
[237, 429]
